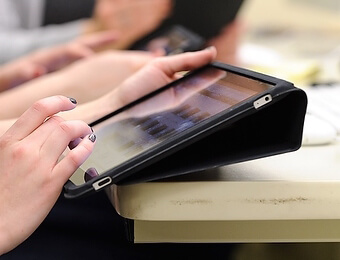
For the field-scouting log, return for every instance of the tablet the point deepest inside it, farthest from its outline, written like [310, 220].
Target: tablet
[169, 119]
[174, 39]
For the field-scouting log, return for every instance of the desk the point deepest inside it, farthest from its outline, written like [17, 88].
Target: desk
[291, 197]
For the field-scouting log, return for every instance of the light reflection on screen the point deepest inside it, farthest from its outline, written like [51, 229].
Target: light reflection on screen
[173, 111]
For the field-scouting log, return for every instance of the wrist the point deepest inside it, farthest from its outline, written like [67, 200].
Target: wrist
[91, 26]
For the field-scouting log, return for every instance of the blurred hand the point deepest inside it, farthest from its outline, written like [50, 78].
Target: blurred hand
[31, 175]
[93, 77]
[228, 42]
[86, 79]
[51, 59]
[173, 97]
[156, 74]
[132, 18]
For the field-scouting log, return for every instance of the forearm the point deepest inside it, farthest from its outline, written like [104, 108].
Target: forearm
[15, 101]
[15, 73]
[6, 78]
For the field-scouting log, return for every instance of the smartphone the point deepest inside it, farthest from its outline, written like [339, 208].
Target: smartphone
[173, 40]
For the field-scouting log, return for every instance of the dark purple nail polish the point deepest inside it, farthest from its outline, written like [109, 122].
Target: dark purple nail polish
[90, 174]
[92, 138]
[73, 100]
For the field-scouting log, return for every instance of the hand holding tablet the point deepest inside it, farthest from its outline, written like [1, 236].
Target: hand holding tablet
[179, 114]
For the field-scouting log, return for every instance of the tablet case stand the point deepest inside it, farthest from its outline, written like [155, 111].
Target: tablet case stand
[272, 130]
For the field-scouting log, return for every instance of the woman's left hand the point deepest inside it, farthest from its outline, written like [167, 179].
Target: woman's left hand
[32, 174]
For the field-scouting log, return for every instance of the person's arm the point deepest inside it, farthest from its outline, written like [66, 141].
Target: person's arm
[155, 74]
[228, 41]
[133, 19]
[51, 59]
[32, 174]
[85, 80]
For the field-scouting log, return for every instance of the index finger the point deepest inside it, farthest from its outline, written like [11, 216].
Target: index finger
[33, 117]
[186, 61]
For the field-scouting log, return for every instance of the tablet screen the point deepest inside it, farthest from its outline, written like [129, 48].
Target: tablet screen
[186, 104]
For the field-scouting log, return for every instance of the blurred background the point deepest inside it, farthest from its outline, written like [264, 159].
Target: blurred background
[298, 40]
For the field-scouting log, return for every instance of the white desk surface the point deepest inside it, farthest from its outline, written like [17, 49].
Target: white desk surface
[290, 197]
[299, 185]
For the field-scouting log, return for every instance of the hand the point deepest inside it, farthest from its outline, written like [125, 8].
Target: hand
[158, 73]
[93, 77]
[51, 59]
[152, 76]
[86, 80]
[228, 42]
[32, 175]
[173, 97]
[132, 18]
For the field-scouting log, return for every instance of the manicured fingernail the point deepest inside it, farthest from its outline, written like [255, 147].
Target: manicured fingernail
[92, 137]
[73, 100]
[90, 174]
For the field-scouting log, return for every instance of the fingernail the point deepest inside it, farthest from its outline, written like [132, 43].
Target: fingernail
[210, 48]
[92, 138]
[90, 174]
[73, 100]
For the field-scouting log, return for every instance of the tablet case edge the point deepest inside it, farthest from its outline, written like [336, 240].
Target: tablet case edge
[270, 131]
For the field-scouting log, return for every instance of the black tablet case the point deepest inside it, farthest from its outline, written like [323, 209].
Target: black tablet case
[274, 129]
